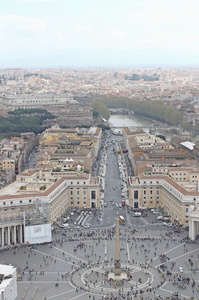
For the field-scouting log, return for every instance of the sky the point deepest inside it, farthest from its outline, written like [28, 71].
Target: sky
[99, 33]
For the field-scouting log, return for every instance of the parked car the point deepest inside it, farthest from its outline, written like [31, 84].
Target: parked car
[137, 214]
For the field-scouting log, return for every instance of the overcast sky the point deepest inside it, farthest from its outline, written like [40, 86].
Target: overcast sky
[99, 33]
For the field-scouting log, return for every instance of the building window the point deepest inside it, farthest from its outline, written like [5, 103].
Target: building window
[78, 202]
[77, 192]
[11, 202]
[78, 182]
[71, 192]
[30, 200]
[93, 195]
[136, 195]
[20, 201]
[144, 192]
[4, 203]
[151, 192]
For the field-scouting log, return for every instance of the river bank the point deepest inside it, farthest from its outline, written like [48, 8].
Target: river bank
[148, 125]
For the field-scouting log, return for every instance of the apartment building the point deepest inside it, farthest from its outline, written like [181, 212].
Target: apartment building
[69, 149]
[56, 193]
[7, 164]
[163, 191]
[25, 101]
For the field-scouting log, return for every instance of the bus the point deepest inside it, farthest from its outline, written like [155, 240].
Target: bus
[122, 220]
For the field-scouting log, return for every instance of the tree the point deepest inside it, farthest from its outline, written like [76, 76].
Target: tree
[155, 110]
[102, 109]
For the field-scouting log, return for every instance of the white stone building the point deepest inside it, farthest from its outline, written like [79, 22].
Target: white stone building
[8, 283]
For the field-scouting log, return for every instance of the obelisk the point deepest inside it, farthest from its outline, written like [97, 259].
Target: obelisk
[117, 248]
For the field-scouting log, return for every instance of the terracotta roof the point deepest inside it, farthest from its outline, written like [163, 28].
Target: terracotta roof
[171, 182]
[28, 173]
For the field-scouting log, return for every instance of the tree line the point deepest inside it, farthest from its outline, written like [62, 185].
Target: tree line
[24, 121]
[144, 77]
[155, 110]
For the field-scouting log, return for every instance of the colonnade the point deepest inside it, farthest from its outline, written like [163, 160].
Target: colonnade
[193, 228]
[11, 234]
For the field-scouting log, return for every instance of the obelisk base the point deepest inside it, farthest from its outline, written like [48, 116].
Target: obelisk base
[117, 270]
[121, 276]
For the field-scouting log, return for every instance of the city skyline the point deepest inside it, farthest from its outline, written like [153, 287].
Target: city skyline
[62, 33]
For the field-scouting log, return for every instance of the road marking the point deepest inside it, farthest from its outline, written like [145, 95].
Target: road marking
[127, 246]
[105, 250]
[166, 252]
[70, 254]
[51, 297]
[57, 258]
[145, 221]
[175, 258]
[79, 296]
[181, 295]
[42, 282]
[174, 248]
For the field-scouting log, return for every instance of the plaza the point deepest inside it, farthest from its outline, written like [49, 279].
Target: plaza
[156, 260]
[74, 265]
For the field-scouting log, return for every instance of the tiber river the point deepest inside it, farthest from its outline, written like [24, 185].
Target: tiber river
[130, 120]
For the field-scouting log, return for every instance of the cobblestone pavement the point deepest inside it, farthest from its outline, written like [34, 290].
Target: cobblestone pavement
[75, 266]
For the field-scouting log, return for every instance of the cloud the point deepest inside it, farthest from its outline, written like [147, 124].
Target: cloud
[62, 34]
[38, 0]
[1, 30]
[22, 23]
[84, 29]
[117, 34]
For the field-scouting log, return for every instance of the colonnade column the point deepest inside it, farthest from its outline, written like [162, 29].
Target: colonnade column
[21, 236]
[194, 229]
[6, 235]
[11, 235]
[8, 231]
[190, 229]
[14, 235]
[2, 237]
